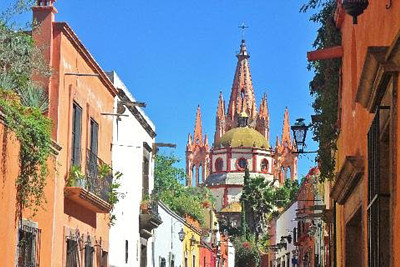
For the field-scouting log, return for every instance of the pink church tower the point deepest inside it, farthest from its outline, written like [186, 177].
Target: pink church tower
[197, 155]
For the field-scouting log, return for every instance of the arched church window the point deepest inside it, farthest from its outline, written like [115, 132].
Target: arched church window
[193, 180]
[242, 94]
[219, 164]
[264, 166]
[288, 173]
[200, 174]
[241, 164]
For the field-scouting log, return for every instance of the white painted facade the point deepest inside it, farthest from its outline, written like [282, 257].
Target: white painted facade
[284, 227]
[167, 246]
[231, 255]
[129, 138]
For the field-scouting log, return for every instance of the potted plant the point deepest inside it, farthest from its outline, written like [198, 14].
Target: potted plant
[76, 177]
[144, 204]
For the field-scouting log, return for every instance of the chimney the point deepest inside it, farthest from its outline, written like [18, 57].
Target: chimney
[42, 32]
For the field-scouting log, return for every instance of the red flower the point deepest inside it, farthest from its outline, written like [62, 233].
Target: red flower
[246, 245]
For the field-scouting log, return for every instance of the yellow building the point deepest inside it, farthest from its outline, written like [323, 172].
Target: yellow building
[191, 251]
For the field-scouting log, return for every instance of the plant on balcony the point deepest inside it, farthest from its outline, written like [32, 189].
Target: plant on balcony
[144, 204]
[76, 176]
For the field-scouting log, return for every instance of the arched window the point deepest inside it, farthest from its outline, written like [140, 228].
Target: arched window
[200, 174]
[264, 166]
[241, 164]
[193, 180]
[219, 165]
[288, 173]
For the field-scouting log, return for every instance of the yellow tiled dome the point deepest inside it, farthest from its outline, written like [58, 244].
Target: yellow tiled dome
[242, 136]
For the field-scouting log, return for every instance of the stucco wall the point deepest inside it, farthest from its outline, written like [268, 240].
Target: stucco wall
[166, 238]
[284, 227]
[127, 148]
[9, 158]
[377, 26]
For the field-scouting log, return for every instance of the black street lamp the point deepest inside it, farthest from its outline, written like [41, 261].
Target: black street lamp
[181, 235]
[299, 134]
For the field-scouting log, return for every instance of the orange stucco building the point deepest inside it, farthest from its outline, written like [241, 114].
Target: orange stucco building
[366, 198]
[74, 223]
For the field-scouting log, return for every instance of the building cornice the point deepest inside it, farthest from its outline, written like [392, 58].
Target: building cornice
[73, 38]
[347, 179]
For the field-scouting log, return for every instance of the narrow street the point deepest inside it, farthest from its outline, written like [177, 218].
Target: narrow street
[199, 134]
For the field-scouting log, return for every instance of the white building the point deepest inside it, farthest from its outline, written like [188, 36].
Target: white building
[168, 248]
[285, 235]
[133, 139]
[231, 255]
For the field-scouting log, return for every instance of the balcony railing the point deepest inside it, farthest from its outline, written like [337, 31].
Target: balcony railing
[149, 219]
[98, 178]
[91, 189]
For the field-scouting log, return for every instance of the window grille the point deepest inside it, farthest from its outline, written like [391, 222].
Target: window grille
[89, 251]
[378, 200]
[104, 258]
[72, 253]
[28, 246]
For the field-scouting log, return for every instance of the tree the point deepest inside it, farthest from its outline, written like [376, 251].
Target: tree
[183, 200]
[257, 201]
[284, 195]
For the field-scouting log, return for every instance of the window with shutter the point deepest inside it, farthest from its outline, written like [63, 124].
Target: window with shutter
[76, 134]
[28, 246]
[378, 190]
[94, 136]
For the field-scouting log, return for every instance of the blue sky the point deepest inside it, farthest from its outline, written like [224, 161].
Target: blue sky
[177, 54]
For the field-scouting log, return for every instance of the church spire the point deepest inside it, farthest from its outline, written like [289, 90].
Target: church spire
[242, 93]
[198, 131]
[285, 159]
[220, 119]
[286, 128]
[197, 154]
[262, 124]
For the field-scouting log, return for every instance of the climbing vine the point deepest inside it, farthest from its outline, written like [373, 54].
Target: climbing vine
[324, 86]
[33, 131]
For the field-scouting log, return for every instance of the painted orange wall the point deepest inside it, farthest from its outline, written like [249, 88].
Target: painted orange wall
[94, 98]
[378, 26]
[9, 154]
[64, 53]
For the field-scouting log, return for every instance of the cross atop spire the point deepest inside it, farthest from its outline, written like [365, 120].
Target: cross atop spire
[243, 27]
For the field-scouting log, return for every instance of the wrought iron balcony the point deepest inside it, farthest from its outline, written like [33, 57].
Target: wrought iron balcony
[91, 189]
[98, 180]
